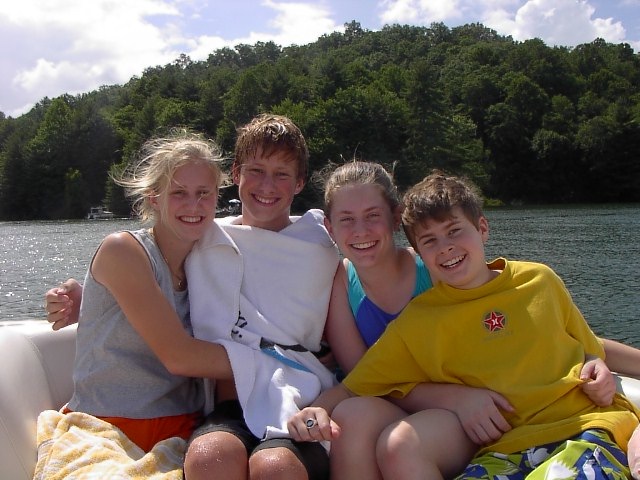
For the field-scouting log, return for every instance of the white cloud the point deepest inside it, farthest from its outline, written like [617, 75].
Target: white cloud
[557, 22]
[294, 23]
[300, 23]
[565, 22]
[420, 11]
[72, 46]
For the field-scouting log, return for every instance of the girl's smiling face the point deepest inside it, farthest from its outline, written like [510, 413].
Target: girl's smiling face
[362, 223]
[188, 205]
[453, 250]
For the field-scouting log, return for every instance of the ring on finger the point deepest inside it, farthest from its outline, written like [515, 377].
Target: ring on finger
[310, 423]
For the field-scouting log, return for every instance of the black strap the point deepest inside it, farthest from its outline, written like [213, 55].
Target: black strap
[268, 344]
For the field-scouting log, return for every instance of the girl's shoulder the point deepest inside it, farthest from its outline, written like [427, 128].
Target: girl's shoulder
[121, 245]
[423, 278]
[121, 239]
[410, 253]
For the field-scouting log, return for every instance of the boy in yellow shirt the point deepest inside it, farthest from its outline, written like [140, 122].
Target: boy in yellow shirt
[507, 326]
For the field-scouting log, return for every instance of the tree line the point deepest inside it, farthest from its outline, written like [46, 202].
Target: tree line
[527, 122]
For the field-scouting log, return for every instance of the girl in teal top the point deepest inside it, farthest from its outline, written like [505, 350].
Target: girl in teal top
[377, 277]
[370, 319]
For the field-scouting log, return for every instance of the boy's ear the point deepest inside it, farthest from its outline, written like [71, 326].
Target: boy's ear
[397, 218]
[299, 186]
[483, 228]
[327, 225]
[235, 175]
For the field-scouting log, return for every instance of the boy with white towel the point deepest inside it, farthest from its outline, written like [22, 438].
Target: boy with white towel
[259, 284]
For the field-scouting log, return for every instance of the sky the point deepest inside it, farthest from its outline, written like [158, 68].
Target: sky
[52, 47]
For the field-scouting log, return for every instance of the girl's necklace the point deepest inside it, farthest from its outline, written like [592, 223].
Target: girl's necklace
[182, 281]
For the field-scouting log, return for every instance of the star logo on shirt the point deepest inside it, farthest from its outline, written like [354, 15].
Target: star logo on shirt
[494, 321]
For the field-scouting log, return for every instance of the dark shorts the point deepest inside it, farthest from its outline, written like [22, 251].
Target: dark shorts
[227, 417]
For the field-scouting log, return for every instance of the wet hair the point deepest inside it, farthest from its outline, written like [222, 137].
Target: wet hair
[151, 172]
[435, 197]
[359, 173]
[271, 134]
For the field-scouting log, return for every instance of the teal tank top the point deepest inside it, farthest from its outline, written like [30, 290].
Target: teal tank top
[371, 320]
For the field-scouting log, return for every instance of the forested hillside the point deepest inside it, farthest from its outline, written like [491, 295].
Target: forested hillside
[528, 122]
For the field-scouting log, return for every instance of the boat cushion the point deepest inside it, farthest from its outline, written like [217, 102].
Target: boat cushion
[36, 375]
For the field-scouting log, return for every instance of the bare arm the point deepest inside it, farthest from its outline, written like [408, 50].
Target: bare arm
[341, 331]
[479, 410]
[622, 358]
[122, 266]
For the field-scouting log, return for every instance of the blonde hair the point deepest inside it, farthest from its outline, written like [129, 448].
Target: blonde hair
[359, 173]
[151, 174]
[271, 134]
[435, 197]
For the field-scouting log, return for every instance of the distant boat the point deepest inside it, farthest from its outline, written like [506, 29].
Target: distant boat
[233, 207]
[99, 213]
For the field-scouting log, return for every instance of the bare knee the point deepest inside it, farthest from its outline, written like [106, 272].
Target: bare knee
[366, 416]
[218, 454]
[428, 444]
[399, 453]
[276, 464]
[362, 420]
[634, 453]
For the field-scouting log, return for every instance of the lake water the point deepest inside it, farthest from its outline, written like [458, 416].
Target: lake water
[595, 249]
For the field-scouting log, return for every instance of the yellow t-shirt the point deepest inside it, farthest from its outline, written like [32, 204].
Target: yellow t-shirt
[520, 335]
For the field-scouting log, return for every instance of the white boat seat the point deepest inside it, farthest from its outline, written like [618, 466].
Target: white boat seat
[36, 375]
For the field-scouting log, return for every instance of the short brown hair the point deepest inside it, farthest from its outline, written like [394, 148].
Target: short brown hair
[435, 197]
[271, 134]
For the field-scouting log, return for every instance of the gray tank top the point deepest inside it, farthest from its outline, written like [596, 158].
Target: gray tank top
[116, 374]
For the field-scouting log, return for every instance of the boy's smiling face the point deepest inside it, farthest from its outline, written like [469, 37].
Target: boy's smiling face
[453, 250]
[266, 187]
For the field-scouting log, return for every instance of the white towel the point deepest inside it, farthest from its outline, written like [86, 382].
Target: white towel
[247, 284]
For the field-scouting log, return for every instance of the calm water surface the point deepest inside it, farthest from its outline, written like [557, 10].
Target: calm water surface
[595, 249]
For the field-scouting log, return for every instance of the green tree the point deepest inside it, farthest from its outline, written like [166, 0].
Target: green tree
[528, 122]
[47, 161]
[75, 194]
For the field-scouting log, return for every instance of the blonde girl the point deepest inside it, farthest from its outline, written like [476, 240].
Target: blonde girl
[137, 364]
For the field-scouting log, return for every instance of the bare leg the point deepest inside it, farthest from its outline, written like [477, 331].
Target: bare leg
[276, 464]
[428, 444]
[216, 455]
[362, 419]
[634, 454]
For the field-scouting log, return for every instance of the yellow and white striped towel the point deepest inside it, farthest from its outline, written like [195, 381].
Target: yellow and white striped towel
[79, 446]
